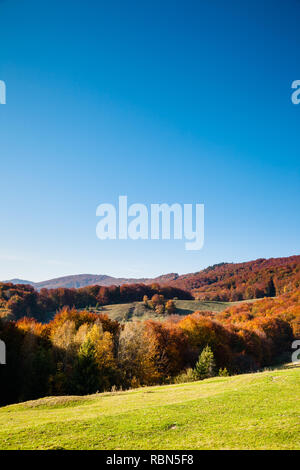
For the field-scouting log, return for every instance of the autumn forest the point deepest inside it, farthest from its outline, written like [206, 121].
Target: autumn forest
[60, 343]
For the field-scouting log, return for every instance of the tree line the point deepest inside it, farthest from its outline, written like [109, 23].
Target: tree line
[23, 300]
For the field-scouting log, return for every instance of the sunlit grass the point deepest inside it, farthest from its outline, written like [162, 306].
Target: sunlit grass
[138, 311]
[253, 411]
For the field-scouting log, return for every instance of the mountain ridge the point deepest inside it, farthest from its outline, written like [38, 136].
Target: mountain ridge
[222, 281]
[84, 280]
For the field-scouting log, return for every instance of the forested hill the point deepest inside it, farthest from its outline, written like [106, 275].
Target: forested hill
[83, 280]
[221, 282]
[241, 281]
[21, 300]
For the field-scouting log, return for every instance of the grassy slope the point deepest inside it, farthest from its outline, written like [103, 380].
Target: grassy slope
[253, 411]
[136, 310]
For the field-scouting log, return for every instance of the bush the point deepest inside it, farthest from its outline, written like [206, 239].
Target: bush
[223, 372]
[186, 376]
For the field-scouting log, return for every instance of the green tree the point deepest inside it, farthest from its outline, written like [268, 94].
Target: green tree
[86, 374]
[205, 366]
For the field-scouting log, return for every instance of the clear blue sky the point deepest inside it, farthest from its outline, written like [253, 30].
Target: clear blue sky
[163, 101]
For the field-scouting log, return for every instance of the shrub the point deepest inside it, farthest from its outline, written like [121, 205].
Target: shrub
[186, 376]
[223, 372]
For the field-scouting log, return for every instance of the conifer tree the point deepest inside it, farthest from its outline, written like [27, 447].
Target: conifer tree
[205, 367]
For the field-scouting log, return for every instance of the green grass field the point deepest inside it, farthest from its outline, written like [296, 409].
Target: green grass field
[253, 411]
[137, 310]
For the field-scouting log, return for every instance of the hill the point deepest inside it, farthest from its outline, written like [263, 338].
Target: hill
[241, 281]
[286, 307]
[83, 280]
[19, 300]
[221, 282]
[138, 311]
[19, 281]
[251, 411]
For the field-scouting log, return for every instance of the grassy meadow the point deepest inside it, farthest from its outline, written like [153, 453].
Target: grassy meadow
[251, 411]
[138, 311]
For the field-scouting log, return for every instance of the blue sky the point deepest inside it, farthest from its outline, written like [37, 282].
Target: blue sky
[173, 101]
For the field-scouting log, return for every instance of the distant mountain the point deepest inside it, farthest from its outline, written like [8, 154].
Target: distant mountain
[83, 280]
[221, 282]
[19, 281]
